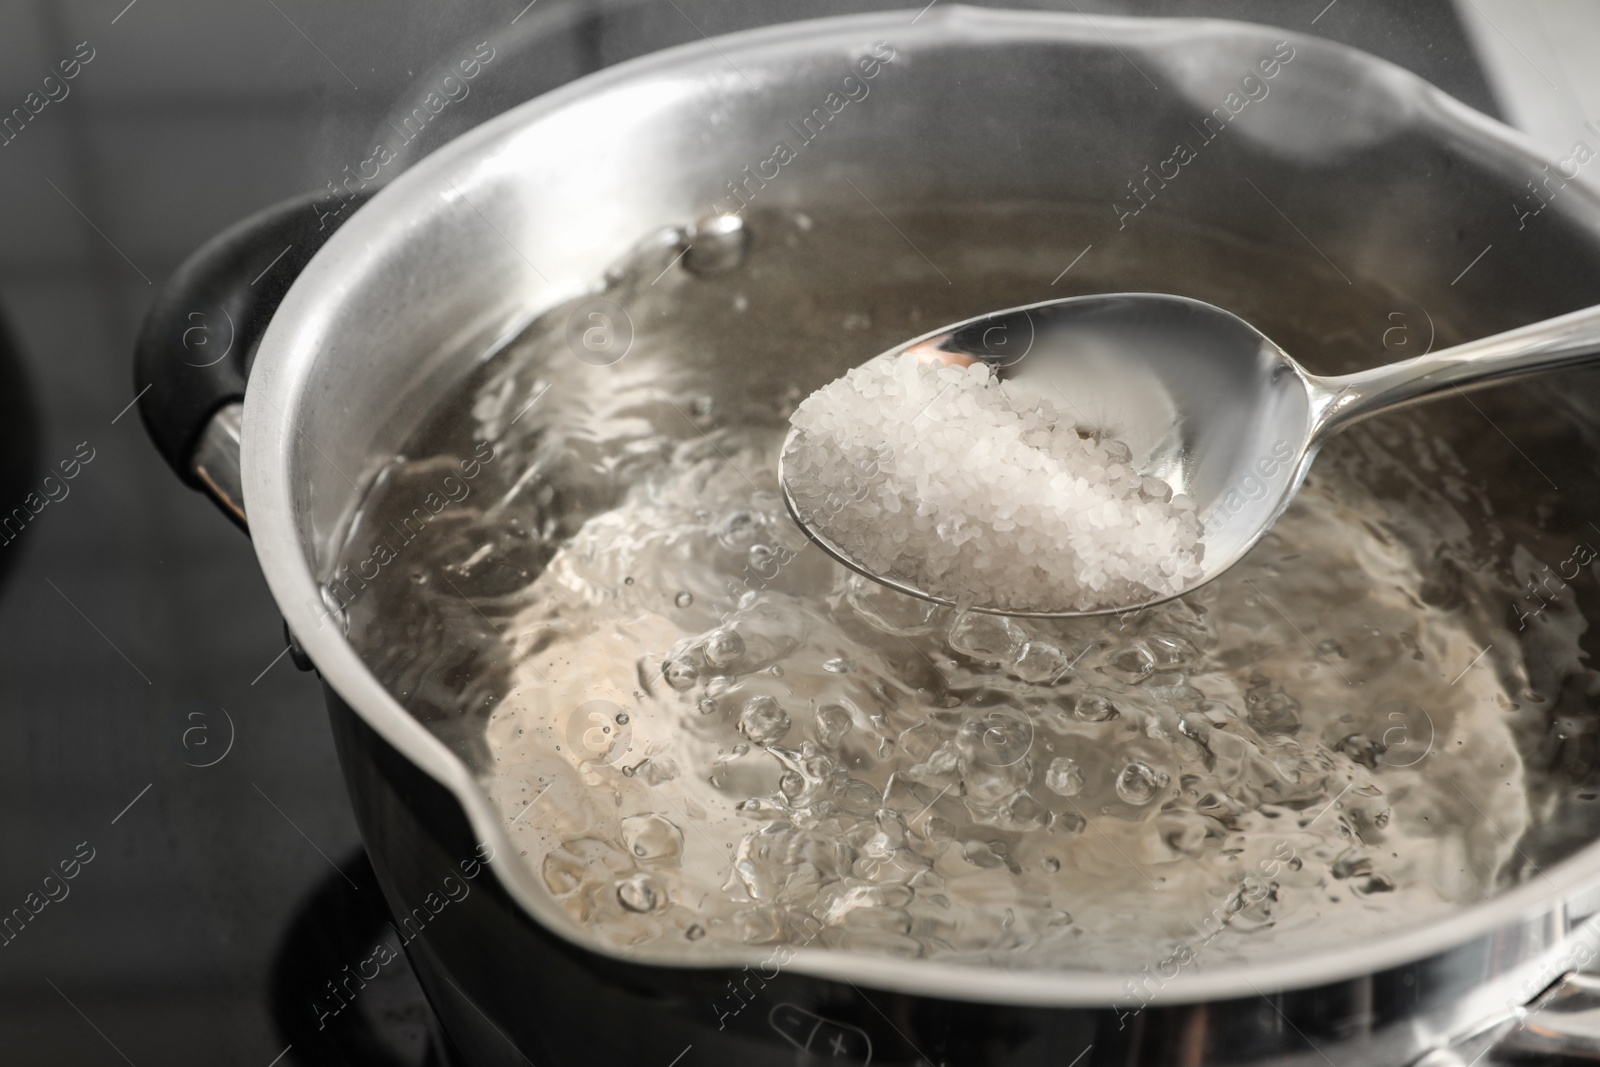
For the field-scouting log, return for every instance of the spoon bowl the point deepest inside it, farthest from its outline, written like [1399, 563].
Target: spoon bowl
[1205, 401]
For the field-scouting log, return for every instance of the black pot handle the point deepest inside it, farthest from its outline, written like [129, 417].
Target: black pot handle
[200, 337]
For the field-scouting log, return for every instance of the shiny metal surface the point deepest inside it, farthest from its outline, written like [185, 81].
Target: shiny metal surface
[531, 209]
[216, 461]
[1202, 398]
[1563, 1022]
[1567, 340]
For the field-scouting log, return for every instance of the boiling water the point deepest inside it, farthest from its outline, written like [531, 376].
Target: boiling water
[702, 732]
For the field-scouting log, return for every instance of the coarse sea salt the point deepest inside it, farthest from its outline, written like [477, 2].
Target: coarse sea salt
[972, 490]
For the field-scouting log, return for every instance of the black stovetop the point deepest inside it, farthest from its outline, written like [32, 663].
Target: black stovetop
[153, 739]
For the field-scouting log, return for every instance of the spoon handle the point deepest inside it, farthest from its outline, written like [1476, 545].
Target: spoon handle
[1343, 399]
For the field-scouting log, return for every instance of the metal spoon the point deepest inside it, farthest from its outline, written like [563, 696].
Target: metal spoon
[1208, 403]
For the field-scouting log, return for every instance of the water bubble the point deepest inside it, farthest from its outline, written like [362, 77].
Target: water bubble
[641, 893]
[652, 837]
[1067, 822]
[892, 825]
[1050, 864]
[833, 722]
[1040, 662]
[991, 639]
[1269, 708]
[695, 932]
[680, 673]
[763, 720]
[887, 610]
[1064, 777]
[1352, 861]
[1022, 813]
[839, 665]
[627, 581]
[1132, 665]
[1138, 783]
[763, 560]
[1170, 650]
[985, 854]
[1376, 883]
[942, 768]
[860, 797]
[723, 648]
[791, 784]
[919, 739]
[739, 529]
[1093, 706]
[707, 706]
[683, 600]
[939, 831]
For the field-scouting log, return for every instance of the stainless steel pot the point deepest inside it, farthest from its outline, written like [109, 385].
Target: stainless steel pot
[1358, 168]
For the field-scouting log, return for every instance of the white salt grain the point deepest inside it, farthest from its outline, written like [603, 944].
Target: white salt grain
[969, 489]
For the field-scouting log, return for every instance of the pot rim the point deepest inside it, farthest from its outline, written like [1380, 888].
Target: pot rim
[288, 350]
